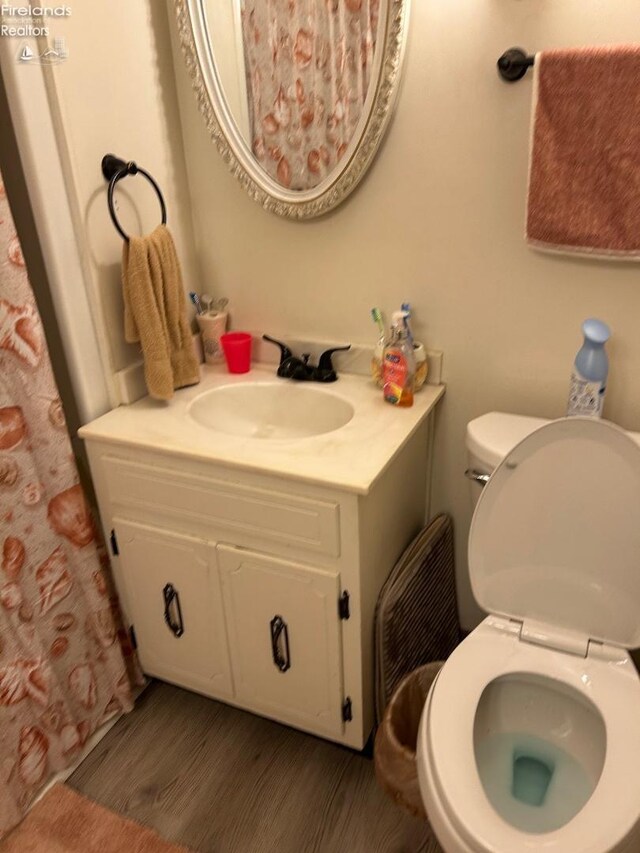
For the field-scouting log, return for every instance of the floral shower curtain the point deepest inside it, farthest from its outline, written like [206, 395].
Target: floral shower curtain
[62, 671]
[308, 65]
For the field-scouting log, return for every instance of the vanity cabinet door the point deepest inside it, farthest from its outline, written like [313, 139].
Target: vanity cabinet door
[284, 638]
[173, 591]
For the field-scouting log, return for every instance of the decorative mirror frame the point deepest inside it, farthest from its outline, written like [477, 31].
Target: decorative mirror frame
[235, 152]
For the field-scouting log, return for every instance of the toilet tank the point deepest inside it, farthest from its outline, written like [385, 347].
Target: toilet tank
[489, 439]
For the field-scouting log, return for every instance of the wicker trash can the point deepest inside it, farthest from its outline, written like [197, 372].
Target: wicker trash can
[395, 744]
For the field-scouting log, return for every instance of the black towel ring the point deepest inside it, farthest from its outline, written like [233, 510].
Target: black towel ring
[113, 169]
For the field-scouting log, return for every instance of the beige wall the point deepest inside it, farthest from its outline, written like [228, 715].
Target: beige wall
[438, 221]
[116, 94]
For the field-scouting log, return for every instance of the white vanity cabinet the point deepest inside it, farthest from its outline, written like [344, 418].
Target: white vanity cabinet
[285, 639]
[251, 586]
[175, 602]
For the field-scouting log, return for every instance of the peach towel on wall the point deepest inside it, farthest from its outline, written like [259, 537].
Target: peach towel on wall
[584, 173]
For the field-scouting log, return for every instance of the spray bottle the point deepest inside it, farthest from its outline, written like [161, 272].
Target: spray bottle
[589, 376]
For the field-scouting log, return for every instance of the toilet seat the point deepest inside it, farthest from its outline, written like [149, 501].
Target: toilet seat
[495, 649]
[555, 537]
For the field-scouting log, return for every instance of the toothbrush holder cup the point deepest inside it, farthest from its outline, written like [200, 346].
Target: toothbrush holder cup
[212, 327]
[422, 365]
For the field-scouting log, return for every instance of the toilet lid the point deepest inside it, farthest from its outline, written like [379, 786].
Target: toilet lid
[555, 536]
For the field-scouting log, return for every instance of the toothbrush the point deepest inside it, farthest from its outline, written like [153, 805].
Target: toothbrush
[376, 316]
[407, 316]
[207, 301]
[193, 296]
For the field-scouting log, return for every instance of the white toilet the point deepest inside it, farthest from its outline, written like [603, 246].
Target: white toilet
[530, 735]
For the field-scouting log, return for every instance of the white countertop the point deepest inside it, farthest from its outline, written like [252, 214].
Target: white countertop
[349, 458]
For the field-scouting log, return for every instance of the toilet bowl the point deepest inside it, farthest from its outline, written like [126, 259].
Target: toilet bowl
[530, 736]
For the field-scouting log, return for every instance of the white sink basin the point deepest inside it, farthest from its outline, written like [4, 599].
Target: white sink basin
[271, 410]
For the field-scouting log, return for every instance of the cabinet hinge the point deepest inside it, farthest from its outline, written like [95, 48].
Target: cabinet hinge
[347, 712]
[132, 637]
[114, 544]
[343, 606]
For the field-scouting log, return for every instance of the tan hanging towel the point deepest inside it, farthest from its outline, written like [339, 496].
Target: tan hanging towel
[155, 312]
[584, 175]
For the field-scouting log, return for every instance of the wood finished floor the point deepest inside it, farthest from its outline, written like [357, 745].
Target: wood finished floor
[220, 780]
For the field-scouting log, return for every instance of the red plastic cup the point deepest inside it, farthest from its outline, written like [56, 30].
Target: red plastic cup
[237, 351]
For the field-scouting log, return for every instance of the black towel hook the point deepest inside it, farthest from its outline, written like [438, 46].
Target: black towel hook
[114, 169]
[514, 64]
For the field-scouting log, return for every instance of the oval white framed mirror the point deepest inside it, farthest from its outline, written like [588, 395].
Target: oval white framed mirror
[296, 94]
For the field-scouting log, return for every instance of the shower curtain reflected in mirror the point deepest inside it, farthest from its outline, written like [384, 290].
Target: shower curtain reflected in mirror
[308, 66]
[66, 665]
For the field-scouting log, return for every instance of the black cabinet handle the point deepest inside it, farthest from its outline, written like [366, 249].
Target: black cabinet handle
[280, 643]
[172, 603]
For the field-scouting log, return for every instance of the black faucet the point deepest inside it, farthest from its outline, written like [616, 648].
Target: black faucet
[292, 367]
